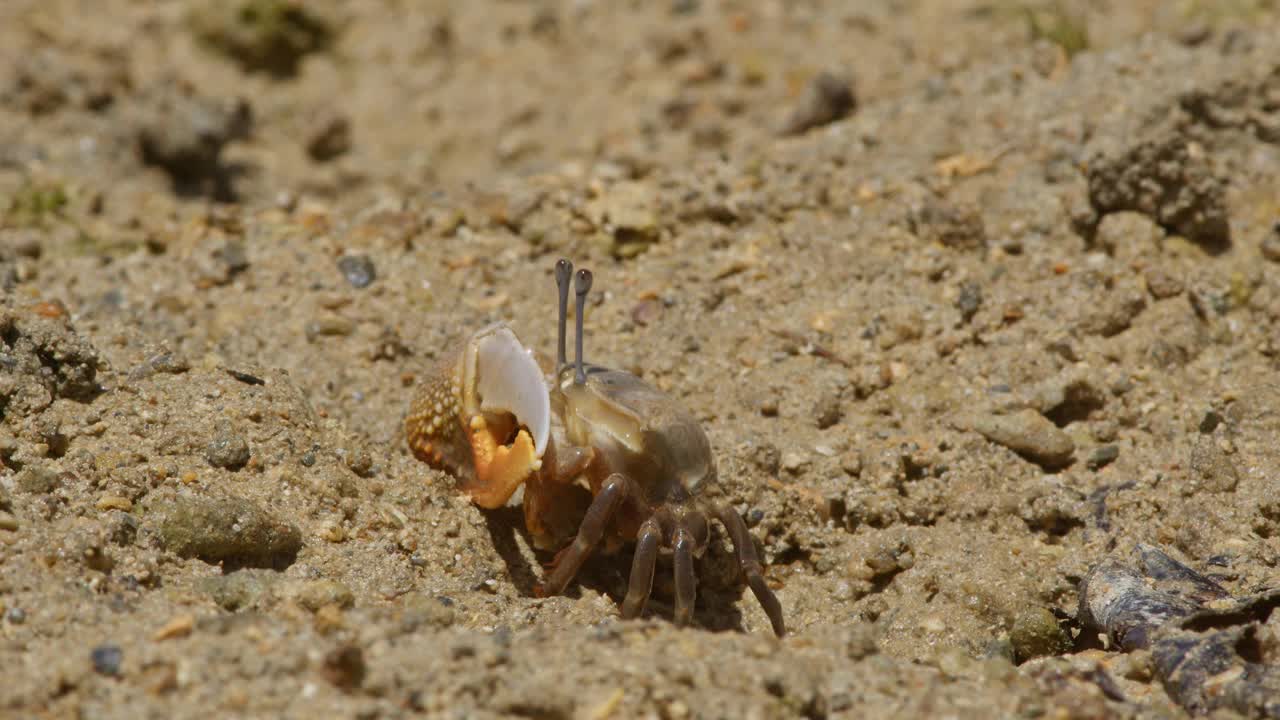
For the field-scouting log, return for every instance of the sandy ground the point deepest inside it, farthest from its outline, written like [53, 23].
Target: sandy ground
[969, 296]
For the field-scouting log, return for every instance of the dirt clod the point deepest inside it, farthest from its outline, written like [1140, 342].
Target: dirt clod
[44, 359]
[1162, 177]
[1029, 434]
[183, 132]
[949, 224]
[229, 529]
[1212, 466]
[262, 35]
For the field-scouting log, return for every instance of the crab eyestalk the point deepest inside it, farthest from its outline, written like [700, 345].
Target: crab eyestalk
[484, 416]
[581, 286]
[564, 272]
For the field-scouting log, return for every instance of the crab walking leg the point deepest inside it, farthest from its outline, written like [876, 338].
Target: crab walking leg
[686, 583]
[642, 568]
[732, 522]
[603, 507]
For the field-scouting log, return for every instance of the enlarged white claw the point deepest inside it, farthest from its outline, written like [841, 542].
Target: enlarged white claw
[483, 414]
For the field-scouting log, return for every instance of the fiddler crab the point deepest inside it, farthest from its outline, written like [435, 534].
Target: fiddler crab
[486, 416]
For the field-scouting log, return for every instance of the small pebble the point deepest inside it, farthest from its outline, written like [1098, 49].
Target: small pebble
[113, 502]
[358, 270]
[180, 626]
[1064, 347]
[843, 590]
[766, 456]
[969, 301]
[794, 462]
[1127, 235]
[358, 461]
[245, 377]
[315, 594]
[121, 527]
[330, 326]
[957, 226]
[851, 463]
[827, 412]
[769, 408]
[1104, 431]
[344, 667]
[106, 659]
[1213, 466]
[646, 311]
[424, 611]
[630, 210]
[241, 589]
[24, 242]
[1103, 456]
[165, 362]
[330, 137]
[37, 480]
[16, 616]
[1029, 434]
[1036, 633]
[1112, 314]
[228, 449]
[233, 257]
[1161, 284]
[828, 98]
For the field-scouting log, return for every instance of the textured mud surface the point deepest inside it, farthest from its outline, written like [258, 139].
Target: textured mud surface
[972, 297]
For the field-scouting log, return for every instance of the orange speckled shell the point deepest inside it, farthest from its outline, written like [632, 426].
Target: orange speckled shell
[434, 427]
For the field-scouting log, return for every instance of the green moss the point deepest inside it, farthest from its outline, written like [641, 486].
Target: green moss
[34, 204]
[1055, 23]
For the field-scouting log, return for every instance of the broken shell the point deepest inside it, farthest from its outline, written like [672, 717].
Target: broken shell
[1129, 602]
[483, 415]
[1206, 645]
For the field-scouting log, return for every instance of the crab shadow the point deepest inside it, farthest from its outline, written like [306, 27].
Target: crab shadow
[720, 589]
[503, 525]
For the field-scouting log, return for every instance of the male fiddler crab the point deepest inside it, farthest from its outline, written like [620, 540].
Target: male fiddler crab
[487, 416]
